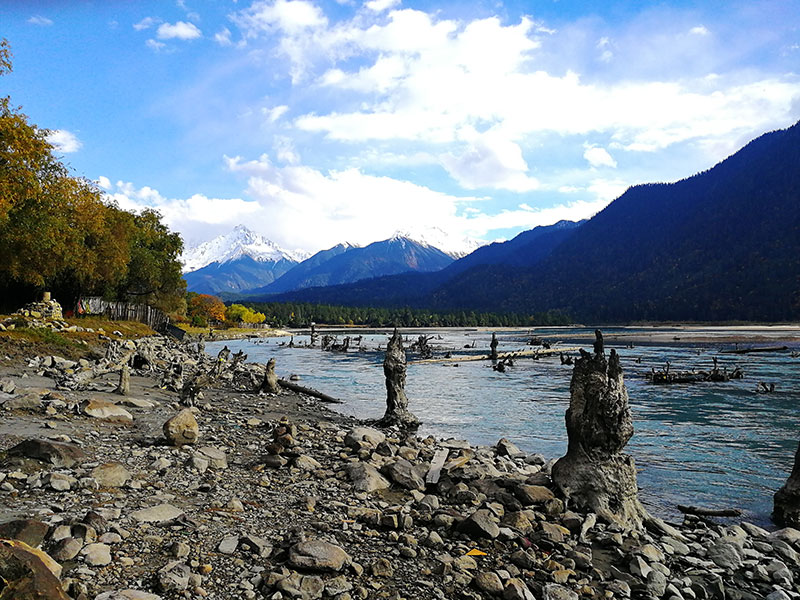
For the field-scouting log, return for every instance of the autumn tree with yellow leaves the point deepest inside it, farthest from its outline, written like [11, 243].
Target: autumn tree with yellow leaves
[58, 232]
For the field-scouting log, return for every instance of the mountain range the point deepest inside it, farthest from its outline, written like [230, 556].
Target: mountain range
[244, 263]
[721, 245]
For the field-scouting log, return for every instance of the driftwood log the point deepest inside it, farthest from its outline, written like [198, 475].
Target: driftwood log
[308, 391]
[709, 512]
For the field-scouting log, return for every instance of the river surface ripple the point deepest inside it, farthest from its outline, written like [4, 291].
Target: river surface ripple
[716, 445]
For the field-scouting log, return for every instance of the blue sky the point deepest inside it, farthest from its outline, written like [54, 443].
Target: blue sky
[318, 122]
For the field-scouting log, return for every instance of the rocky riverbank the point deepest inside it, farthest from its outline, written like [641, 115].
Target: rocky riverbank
[280, 497]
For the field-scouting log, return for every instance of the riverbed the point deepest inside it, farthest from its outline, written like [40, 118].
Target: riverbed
[716, 445]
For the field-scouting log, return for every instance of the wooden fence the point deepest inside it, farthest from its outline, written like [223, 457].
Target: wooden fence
[124, 311]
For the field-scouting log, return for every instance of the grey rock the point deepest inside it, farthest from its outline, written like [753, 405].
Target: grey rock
[480, 524]
[365, 477]
[97, 555]
[517, 590]
[127, 595]
[318, 555]
[228, 544]
[66, 549]
[111, 474]
[726, 554]
[553, 591]
[656, 583]
[358, 437]
[403, 473]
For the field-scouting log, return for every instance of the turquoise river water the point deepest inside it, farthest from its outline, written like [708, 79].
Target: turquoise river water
[716, 445]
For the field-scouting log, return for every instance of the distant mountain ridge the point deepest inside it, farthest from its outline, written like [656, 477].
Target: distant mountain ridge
[412, 288]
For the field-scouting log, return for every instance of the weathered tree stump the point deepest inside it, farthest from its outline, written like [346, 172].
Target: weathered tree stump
[270, 383]
[124, 386]
[493, 346]
[786, 511]
[595, 474]
[394, 369]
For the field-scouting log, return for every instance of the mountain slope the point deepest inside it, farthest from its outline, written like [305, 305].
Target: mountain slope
[231, 246]
[412, 288]
[306, 274]
[723, 244]
[239, 260]
[388, 257]
[236, 275]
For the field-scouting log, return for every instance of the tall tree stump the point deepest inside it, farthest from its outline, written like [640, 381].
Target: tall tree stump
[394, 369]
[270, 384]
[594, 474]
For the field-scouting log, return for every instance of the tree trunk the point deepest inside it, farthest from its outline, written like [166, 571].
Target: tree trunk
[394, 369]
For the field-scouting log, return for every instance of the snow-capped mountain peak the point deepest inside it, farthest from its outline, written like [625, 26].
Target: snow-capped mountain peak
[438, 238]
[239, 242]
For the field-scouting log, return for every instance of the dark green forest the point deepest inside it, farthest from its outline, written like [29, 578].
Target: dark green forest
[301, 314]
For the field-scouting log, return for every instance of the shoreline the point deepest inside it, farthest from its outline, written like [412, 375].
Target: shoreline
[229, 517]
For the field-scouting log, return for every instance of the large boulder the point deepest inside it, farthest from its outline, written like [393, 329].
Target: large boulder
[182, 428]
[786, 510]
[595, 475]
[28, 573]
[57, 454]
[107, 411]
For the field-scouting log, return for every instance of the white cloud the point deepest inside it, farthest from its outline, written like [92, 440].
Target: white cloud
[146, 23]
[598, 157]
[40, 20]
[223, 37]
[180, 30]
[155, 45]
[291, 16]
[275, 113]
[699, 30]
[490, 161]
[197, 218]
[104, 182]
[381, 5]
[64, 141]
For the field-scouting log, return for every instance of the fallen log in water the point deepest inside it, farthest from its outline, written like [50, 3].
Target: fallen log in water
[709, 512]
[500, 356]
[750, 350]
[308, 391]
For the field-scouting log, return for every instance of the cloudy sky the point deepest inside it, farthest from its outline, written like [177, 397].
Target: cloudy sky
[315, 122]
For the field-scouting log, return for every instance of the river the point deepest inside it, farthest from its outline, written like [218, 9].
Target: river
[716, 445]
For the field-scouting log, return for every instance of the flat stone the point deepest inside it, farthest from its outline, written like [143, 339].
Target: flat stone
[228, 544]
[137, 403]
[57, 454]
[61, 482]
[216, 458]
[306, 463]
[107, 411]
[111, 474]
[318, 555]
[517, 590]
[506, 448]
[725, 554]
[157, 514]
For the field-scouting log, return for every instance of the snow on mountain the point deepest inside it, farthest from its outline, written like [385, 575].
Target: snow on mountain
[438, 238]
[240, 242]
